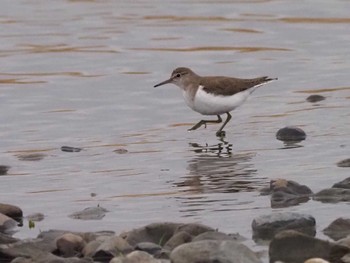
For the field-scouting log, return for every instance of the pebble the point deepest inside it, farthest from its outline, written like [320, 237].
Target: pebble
[70, 149]
[344, 163]
[315, 98]
[4, 169]
[289, 134]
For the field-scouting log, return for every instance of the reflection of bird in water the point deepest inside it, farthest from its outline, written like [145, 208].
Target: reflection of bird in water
[214, 168]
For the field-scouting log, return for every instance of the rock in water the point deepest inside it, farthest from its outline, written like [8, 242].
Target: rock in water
[315, 98]
[338, 229]
[213, 251]
[266, 226]
[291, 134]
[70, 149]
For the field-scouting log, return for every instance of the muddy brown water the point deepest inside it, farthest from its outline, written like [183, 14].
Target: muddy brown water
[81, 74]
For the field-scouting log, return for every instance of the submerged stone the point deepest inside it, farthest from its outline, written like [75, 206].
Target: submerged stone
[90, 213]
[343, 184]
[315, 98]
[294, 134]
[338, 229]
[4, 169]
[333, 195]
[344, 163]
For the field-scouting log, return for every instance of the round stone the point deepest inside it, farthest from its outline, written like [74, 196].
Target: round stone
[290, 134]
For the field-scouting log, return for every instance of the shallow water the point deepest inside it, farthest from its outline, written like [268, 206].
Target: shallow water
[81, 74]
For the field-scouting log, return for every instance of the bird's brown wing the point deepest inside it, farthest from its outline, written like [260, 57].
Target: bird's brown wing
[229, 86]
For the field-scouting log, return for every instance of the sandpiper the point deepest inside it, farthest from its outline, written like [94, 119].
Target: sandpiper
[213, 95]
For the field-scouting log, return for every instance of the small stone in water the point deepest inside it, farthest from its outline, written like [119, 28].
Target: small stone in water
[344, 163]
[4, 169]
[70, 149]
[121, 151]
[290, 134]
[315, 98]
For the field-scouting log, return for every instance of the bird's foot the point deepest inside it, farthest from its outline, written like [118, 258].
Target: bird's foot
[221, 134]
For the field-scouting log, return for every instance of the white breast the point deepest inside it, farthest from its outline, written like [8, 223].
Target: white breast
[211, 104]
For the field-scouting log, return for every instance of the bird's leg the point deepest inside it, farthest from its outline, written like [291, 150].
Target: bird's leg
[204, 122]
[220, 132]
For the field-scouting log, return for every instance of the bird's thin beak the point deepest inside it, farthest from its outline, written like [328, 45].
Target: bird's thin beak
[164, 82]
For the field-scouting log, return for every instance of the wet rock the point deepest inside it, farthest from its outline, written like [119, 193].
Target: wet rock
[110, 248]
[31, 156]
[213, 235]
[333, 195]
[69, 245]
[315, 98]
[90, 213]
[121, 151]
[294, 134]
[49, 258]
[11, 211]
[90, 248]
[6, 239]
[158, 233]
[36, 217]
[344, 163]
[338, 229]
[343, 184]
[286, 193]
[213, 251]
[177, 239]
[149, 247]
[266, 226]
[70, 149]
[292, 246]
[194, 229]
[136, 257]
[7, 224]
[4, 169]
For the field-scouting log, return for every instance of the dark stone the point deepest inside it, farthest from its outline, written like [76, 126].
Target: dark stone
[110, 248]
[31, 156]
[338, 229]
[158, 233]
[12, 211]
[292, 246]
[294, 134]
[343, 184]
[266, 226]
[149, 247]
[333, 195]
[213, 235]
[177, 239]
[315, 98]
[194, 229]
[90, 213]
[286, 193]
[213, 251]
[344, 163]
[70, 149]
[4, 169]
[121, 151]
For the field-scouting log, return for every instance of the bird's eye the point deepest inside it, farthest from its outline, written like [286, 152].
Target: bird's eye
[178, 75]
